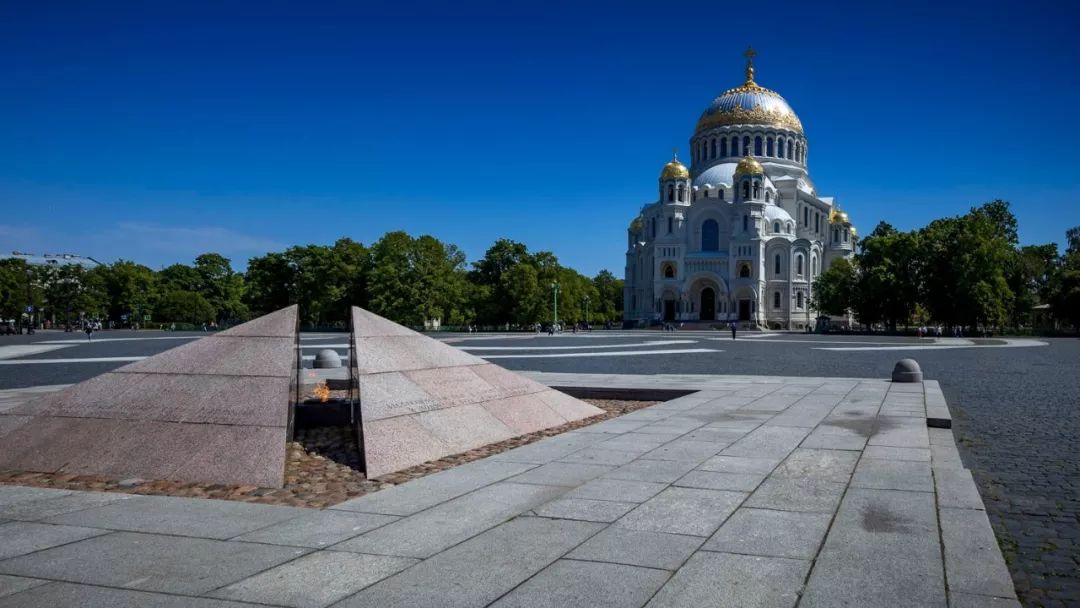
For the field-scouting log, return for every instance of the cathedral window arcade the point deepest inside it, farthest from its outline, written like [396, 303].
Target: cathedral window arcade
[776, 299]
[776, 264]
[776, 228]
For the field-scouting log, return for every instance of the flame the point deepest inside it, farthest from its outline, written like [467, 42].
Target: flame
[322, 391]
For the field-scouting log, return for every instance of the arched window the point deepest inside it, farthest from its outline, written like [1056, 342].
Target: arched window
[710, 236]
[798, 265]
[806, 216]
[776, 228]
[757, 190]
[780, 148]
[746, 144]
[654, 227]
[669, 224]
[757, 146]
[721, 194]
[682, 193]
[744, 271]
[790, 150]
[671, 192]
[746, 189]
[768, 196]
[669, 271]
[776, 299]
[817, 222]
[713, 154]
[790, 228]
[769, 146]
[798, 300]
[776, 264]
[734, 145]
[723, 146]
[745, 222]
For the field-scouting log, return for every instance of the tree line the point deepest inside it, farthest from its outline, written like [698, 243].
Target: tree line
[411, 280]
[963, 271]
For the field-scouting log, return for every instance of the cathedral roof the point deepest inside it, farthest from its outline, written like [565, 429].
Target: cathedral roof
[674, 170]
[749, 166]
[749, 104]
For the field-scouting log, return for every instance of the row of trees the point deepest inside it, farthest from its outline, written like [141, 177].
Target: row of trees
[965, 271]
[408, 279]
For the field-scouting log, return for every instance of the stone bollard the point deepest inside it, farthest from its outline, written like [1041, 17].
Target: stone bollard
[327, 359]
[907, 370]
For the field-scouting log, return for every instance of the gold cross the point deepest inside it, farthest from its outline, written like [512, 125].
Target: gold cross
[750, 53]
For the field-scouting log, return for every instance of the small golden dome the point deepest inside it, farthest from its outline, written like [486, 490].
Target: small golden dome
[749, 166]
[836, 216]
[636, 224]
[674, 170]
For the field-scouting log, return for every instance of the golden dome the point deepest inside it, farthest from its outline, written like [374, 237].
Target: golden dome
[749, 166]
[674, 170]
[749, 104]
[636, 224]
[836, 216]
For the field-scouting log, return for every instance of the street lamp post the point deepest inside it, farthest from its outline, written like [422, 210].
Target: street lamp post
[29, 302]
[555, 304]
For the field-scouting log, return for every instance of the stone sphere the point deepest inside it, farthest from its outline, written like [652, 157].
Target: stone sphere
[327, 359]
[907, 370]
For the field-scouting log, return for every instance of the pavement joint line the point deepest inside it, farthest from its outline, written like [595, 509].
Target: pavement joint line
[628, 353]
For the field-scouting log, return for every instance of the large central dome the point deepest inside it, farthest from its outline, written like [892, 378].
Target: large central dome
[749, 104]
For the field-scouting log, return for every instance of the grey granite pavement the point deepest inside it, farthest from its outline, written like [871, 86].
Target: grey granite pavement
[750, 491]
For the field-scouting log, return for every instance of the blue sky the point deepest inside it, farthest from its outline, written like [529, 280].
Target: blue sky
[156, 131]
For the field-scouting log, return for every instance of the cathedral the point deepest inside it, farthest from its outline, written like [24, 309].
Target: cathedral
[741, 234]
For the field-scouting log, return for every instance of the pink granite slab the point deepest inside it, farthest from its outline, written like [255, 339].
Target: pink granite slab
[280, 324]
[422, 399]
[464, 428]
[205, 399]
[255, 356]
[397, 443]
[212, 411]
[524, 414]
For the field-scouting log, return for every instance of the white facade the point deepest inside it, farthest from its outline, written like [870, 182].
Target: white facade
[741, 234]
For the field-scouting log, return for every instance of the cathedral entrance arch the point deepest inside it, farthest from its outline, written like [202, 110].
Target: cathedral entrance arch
[669, 310]
[744, 310]
[708, 304]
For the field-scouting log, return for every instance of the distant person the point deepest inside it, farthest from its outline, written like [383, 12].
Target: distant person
[732, 324]
[89, 331]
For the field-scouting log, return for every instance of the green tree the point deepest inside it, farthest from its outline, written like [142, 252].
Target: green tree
[132, 290]
[221, 287]
[183, 307]
[610, 294]
[417, 279]
[834, 290]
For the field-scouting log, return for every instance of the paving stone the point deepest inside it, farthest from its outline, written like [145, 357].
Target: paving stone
[315, 580]
[429, 532]
[714, 435]
[562, 474]
[683, 449]
[725, 580]
[10, 585]
[197, 517]
[771, 533]
[600, 456]
[150, 562]
[10, 495]
[973, 562]
[617, 425]
[740, 464]
[834, 441]
[805, 495]
[621, 490]
[66, 595]
[882, 551]
[638, 548]
[638, 443]
[710, 480]
[825, 465]
[318, 529]
[585, 509]
[768, 441]
[18, 537]
[550, 449]
[428, 491]
[660, 471]
[968, 600]
[59, 504]
[956, 489]
[479, 570]
[890, 453]
[893, 475]
[575, 583]
[901, 433]
[683, 511]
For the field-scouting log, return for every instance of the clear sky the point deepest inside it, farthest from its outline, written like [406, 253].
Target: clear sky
[155, 131]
